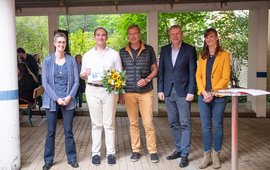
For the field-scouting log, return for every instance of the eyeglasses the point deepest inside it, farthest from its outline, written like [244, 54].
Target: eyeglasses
[134, 33]
[61, 42]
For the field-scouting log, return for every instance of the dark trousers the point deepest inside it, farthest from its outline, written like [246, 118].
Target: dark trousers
[79, 99]
[49, 151]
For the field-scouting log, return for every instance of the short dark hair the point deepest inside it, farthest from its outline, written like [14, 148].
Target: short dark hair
[59, 34]
[134, 26]
[100, 28]
[21, 50]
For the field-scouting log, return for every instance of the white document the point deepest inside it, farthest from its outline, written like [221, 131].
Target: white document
[242, 91]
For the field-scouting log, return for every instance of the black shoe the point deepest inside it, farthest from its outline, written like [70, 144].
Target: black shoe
[174, 155]
[74, 164]
[96, 160]
[111, 159]
[47, 166]
[184, 161]
[135, 156]
[154, 157]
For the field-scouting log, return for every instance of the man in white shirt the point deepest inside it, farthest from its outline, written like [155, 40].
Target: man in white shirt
[101, 104]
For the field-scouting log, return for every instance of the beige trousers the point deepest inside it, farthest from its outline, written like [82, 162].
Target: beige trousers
[142, 102]
[102, 108]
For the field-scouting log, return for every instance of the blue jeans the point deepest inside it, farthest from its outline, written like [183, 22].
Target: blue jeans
[49, 150]
[208, 112]
[178, 110]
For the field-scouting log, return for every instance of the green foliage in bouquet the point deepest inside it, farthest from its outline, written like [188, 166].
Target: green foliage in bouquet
[114, 81]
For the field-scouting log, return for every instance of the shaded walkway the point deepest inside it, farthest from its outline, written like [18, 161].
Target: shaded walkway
[254, 148]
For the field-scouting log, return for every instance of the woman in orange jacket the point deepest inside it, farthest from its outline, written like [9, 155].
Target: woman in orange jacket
[213, 73]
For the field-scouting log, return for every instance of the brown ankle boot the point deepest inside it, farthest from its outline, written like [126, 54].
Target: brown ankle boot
[206, 160]
[216, 160]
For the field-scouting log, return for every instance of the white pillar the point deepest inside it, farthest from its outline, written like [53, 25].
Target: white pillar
[9, 112]
[268, 55]
[53, 20]
[152, 39]
[257, 57]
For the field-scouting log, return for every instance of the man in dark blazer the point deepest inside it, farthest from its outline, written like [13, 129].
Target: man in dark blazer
[177, 86]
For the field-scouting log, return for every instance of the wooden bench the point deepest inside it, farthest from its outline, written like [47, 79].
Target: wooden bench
[26, 109]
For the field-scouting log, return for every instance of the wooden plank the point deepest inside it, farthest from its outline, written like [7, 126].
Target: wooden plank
[254, 148]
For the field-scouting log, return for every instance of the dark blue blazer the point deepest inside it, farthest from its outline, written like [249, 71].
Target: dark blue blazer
[182, 74]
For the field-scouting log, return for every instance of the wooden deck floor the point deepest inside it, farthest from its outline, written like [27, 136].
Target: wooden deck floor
[254, 145]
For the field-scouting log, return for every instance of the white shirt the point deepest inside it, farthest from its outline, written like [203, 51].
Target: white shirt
[175, 52]
[100, 62]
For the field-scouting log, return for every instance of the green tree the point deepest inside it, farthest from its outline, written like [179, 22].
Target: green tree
[32, 34]
[193, 25]
[73, 23]
[117, 27]
[80, 42]
[82, 39]
[233, 31]
[232, 27]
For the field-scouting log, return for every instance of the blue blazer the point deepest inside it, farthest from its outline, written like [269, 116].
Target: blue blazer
[182, 74]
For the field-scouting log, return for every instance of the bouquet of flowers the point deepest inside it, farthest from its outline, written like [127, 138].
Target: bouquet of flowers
[114, 81]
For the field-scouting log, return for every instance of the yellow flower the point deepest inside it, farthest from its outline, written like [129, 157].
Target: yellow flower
[111, 82]
[119, 81]
[117, 85]
[115, 75]
[112, 70]
[114, 81]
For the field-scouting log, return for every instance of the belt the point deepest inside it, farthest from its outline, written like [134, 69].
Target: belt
[96, 85]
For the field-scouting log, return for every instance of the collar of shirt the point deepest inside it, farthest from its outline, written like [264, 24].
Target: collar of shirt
[177, 48]
[103, 51]
[132, 49]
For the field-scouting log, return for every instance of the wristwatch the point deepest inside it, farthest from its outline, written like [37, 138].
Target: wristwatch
[147, 80]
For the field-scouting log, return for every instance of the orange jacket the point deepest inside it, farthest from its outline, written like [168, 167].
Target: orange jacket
[221, 71]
